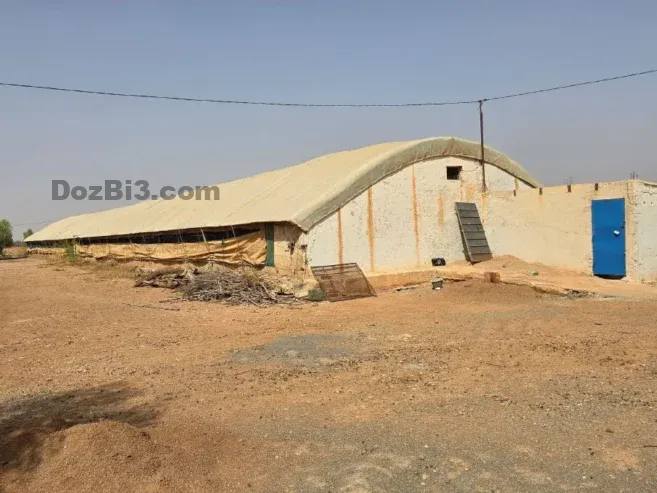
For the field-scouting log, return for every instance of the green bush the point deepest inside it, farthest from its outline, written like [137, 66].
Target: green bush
[316, 295]
[6, 235]
[70, 252]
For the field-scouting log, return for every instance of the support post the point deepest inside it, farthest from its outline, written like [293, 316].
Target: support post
[269, 239]
[182, 244]
[207, 247]
[481, 136]
[132, 245]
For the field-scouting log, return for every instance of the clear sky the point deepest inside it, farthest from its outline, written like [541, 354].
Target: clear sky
[313, 51]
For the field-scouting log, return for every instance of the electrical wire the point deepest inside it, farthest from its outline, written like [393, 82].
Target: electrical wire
[320, 105]
[325, 105]
[569, 86]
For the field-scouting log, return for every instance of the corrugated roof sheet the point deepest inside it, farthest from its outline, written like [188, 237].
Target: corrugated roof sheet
[303, 194]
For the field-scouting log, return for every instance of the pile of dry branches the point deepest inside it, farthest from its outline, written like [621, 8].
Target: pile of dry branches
[243, 286]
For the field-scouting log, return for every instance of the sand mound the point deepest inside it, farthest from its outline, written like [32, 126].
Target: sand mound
[511, 264]
[105, 456]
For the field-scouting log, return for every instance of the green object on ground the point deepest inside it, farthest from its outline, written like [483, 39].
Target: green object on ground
[269, 238]
[316, 295]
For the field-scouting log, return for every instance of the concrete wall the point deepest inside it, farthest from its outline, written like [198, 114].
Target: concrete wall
[406, 219]
[553, 226]
[645, 206]
[290, 244]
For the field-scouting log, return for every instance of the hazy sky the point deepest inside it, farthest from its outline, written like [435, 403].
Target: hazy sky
[313, 51]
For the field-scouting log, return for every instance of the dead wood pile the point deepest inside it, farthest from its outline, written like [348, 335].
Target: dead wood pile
[242, 286]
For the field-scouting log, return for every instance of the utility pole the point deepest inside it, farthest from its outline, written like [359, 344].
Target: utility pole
[481, 135]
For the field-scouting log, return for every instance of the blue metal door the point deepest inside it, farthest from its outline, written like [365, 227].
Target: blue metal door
[608, 217]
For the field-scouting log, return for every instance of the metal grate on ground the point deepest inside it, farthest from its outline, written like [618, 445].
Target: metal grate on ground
[342, 281]
[472, 232]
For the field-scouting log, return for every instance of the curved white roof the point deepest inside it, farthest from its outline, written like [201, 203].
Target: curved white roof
[303, 194]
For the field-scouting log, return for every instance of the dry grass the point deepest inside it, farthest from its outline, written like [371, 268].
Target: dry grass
[15, 250]
[107, 269]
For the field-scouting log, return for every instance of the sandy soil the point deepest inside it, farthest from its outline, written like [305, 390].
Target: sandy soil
[478, 387]
[549, 279]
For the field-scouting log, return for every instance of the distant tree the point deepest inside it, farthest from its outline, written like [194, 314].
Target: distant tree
[6, 235]
[27, 233]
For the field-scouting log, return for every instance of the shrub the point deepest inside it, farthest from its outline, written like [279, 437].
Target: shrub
[316, 295]
[6, 235]
[70, 251]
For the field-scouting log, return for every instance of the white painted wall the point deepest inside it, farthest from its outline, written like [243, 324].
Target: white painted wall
[406, 219]
[646, 230]
[554, 227]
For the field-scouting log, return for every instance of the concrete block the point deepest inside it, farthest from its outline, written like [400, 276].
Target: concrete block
[493, 277]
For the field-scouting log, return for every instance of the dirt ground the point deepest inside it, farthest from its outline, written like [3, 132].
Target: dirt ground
[549, 279]
[475, 388]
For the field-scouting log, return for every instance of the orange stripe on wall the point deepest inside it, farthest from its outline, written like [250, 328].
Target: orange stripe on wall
[469, 193]
[370, 228]
[416, 218]
[441, 211]
[340, 243]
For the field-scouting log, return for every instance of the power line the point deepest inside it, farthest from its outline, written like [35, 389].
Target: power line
[324, 105]
[569, 86]
[226, 101]
[317, 105]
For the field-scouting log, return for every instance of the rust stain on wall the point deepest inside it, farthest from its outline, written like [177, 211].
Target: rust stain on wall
[469, 193]
[441, 211]
[340, 243]
[370, 228]
[416, 216]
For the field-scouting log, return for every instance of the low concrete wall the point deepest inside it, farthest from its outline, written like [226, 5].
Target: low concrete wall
[553, 225]
[405, 219]
[645, 210]
[290, 244]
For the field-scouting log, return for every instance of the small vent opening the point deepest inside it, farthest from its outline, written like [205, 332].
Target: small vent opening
[454, 172]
